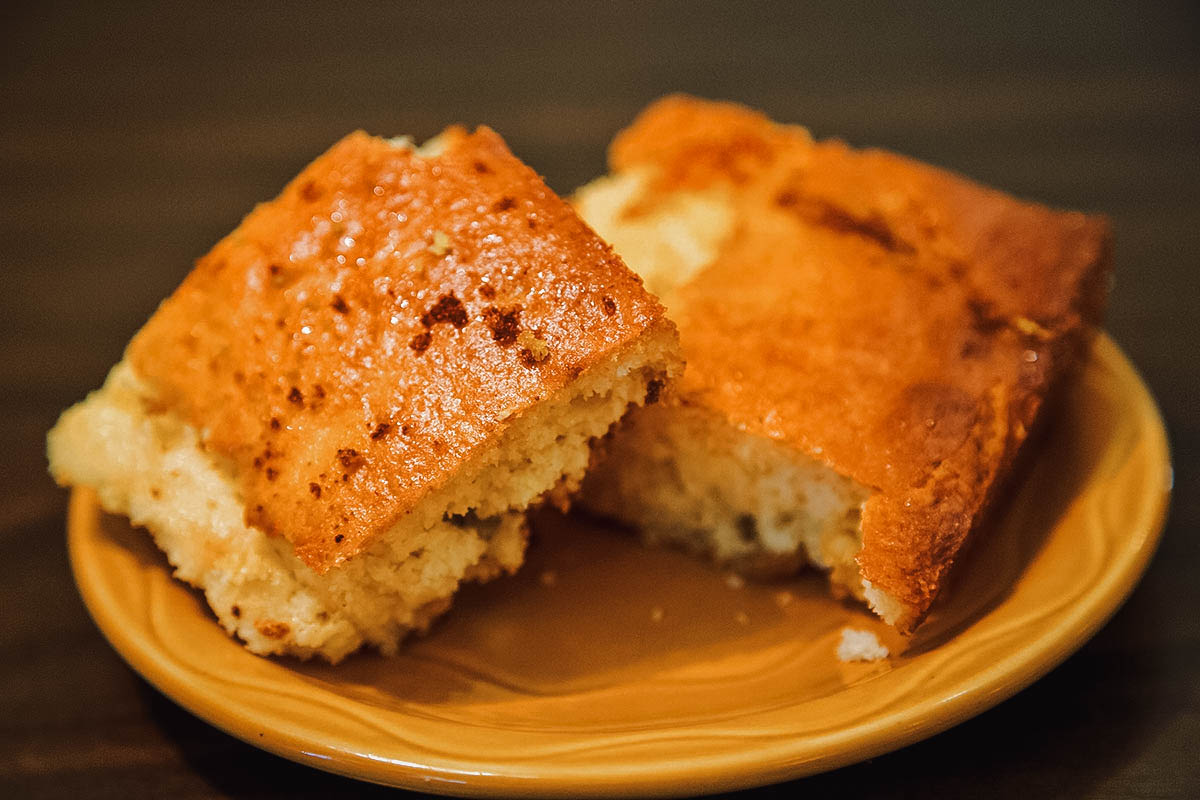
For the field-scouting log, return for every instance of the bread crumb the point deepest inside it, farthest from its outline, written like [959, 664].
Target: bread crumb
[548, 577]
[784, 599]
[734, 581]
[860, 646]
[657, 614]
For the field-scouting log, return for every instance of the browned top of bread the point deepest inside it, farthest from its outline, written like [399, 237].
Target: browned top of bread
[894, 320]
[358, 337]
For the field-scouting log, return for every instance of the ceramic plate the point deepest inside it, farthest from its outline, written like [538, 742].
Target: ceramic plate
[607, 669]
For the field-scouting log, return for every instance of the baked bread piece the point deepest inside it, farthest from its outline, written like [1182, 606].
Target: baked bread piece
[868, 340]
[347, 406]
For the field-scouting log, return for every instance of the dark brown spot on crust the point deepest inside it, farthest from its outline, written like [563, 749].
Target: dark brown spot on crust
[275, 269]
[654, 389]
[296, 396]
[350, 458]
[872, 227]
[481, 167]
[381, 430]
[237, 612]
[505, 203]
[155, 492]
[338, 538]
[487, 291]
[525, 356]
[609, 305]
[315, 489]
[275, 423]
[310, 191]
[339, 304]
[505, 324]
[420, 343]
[448, 308]
[404, 429]
[272, 473]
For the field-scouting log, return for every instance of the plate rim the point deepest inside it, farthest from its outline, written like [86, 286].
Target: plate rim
[868, 738]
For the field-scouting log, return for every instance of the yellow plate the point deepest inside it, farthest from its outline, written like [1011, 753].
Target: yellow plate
[606, 669]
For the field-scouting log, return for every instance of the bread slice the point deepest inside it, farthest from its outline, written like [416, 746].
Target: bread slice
[345, 409]
[868, 340]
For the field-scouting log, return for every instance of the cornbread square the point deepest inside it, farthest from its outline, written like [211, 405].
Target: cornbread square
[347, 406]
[868, 341]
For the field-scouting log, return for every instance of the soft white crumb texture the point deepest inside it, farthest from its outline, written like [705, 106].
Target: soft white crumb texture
[687, 477]
[153, 469]
[684, 477]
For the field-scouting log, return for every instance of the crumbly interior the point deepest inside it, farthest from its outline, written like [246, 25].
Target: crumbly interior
[688, 477]
[152, 467]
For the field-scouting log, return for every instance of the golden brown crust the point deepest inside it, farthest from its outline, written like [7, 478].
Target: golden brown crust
[360, 336]
[899, 322]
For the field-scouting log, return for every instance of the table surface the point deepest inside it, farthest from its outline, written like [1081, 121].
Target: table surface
[131, 139]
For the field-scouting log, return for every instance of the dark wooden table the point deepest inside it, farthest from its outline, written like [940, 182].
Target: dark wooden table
[132, 138]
